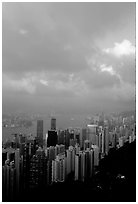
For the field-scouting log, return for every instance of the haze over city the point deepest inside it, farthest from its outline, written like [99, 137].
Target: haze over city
[68, 58]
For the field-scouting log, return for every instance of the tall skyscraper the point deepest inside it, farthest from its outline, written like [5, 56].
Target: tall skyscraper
[76, 167]
[52, 138]
[61, 137]
[4, 156]
[58, 168]
[106, 132]
[82, 166]
[96, 155]
[12, 180]
[6, 176]
[68, 161]
[83, 137]
[53, 123]
[17, 167]
[92, 132]
[26, 166]
[40, 132]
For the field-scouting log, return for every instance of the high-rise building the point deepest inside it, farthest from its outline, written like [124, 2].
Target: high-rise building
[121, 141]
[114, 140]
[26, 167]
[33, 172]
[41, 166]
[82, 169]
[131, 138]
[12, 180]
[58, 169]
[68, 161]
[77, 149]
[91, 155]
[103, 143]
[17, 167]
[53, 123]
[86, 144]
[83, 137]
[9, 181]
[92, 132]
[87, 164]
[51, 153]
[106, 133]
[59, 149]
[40, 132]
[38, 171]
[61, 137]
[72, 142]
[77, 137]
[67, 138]
[53, 171]
[4, 156]
[96, 155]
[52, 138]
[76, 167]
[84, 164]
[6, 177]
[49, 172]
[100, 142]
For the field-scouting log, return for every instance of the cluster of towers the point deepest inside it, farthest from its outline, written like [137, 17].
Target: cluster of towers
[52, 134]
[38, 162]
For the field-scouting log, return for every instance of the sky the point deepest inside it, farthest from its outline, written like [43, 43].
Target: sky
[68, 58]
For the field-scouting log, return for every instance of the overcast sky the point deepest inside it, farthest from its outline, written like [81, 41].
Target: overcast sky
[68, 58]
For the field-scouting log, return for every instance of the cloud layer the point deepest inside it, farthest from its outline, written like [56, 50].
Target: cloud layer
[68, 56]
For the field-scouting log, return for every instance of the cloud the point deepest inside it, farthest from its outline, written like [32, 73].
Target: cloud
[121, 49]
[56, 54]
[100, 74]
[108, 69]
[21, 85]
[44, 82]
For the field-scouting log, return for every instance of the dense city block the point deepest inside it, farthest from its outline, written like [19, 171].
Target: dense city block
[79, 160]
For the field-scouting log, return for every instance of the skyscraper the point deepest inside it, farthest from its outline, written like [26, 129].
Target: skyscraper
[17, 167]
[96, 155]
[76, 167]
[106, 132]
[58, 168]
[82, 155]
[68, 161]
[53, 123]
[4, 156]
[84, 137]
[40, 132]
[26, 166]
[92, 132]
[52, 138]
[12, 180]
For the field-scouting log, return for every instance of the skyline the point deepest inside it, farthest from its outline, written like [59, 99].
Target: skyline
[72, 159]
[68, 58]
